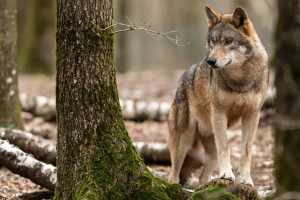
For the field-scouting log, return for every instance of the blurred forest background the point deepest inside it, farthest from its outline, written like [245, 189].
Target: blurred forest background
[136, 50]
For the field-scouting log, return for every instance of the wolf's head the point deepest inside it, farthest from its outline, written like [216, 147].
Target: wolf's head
[230, 39]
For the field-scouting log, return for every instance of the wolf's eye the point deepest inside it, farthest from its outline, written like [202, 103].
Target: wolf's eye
[227, 42]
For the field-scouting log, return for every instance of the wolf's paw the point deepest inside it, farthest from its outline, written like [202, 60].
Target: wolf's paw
[173, 179]
[246, 181]
[227, 175]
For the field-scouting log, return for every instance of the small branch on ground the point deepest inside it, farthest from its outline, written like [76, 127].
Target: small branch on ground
[40, 148]
[138, 26]
[25, 165]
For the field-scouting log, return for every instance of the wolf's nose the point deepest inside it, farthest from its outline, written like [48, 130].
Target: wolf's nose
[211, 61]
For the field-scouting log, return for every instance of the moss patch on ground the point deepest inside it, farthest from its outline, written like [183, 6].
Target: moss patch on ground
[224, 190]
[215, 192]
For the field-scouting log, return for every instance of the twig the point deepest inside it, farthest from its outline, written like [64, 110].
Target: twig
[137, 26]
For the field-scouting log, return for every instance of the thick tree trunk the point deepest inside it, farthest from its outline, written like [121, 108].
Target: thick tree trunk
[96, 158]
[10, 112]
[287, 118]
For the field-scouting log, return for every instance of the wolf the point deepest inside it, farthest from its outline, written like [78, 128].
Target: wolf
[227, 86]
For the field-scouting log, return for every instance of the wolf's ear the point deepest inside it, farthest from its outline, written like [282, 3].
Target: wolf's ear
[240, 18]
[213, 17]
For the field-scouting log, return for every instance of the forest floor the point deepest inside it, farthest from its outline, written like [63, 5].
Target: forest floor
[146, 86]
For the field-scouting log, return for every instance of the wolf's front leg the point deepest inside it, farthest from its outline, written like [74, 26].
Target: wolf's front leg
[219, 123]
[249, 127]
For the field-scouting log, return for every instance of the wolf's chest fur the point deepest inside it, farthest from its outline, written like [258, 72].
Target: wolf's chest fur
[211, 91]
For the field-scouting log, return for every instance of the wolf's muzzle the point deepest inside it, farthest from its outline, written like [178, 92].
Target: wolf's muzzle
[211, 61]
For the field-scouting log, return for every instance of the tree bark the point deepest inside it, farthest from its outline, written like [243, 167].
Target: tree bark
[10, 111]
[25, 165]
[287, 119]
[96, 158]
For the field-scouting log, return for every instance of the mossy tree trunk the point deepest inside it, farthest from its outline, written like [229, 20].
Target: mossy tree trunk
[10, 111]
[96, 158]
[287, 118]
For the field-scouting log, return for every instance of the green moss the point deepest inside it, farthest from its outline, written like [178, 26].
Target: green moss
[81, 191]
[215, 192]
[151, 187]
[117, 175]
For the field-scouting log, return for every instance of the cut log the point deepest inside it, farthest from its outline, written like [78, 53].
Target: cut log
[153, 152]
[45, 150]
[132, 110]
[40, 148]
[25, 165]
[39, 106]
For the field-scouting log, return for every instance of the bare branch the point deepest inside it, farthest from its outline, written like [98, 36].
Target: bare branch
[138, 26]
[128, 19]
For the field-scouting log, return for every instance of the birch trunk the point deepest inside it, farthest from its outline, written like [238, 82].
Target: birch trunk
[25, 165]
[39, 147]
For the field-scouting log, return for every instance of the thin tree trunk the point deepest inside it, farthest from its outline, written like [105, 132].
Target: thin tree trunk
[287, 118]
[10, 111]
[96, 158]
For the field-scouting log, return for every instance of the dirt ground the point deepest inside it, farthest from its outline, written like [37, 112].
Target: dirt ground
[146, 86]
